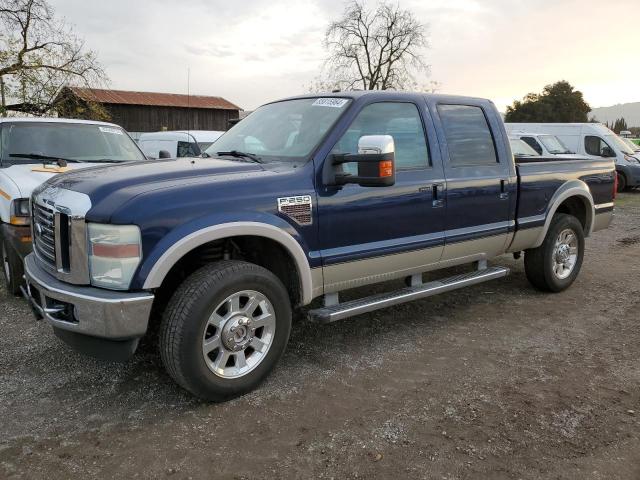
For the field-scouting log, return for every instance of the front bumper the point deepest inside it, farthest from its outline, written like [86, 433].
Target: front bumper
[18, 237]
[87, 311]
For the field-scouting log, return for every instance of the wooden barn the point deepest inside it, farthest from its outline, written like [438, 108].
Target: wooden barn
[149, 111]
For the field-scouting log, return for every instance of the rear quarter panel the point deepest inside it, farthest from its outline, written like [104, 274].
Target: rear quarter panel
[539, 181]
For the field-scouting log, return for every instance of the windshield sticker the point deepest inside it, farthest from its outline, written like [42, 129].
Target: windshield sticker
[330, 102]
[115, 131]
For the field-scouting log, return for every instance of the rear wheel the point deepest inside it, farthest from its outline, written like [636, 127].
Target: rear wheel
[12, 268]
[555, 264]
[225, 329]
[622, 182]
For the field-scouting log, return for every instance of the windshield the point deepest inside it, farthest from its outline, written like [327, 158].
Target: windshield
[633, 146]
[72, 141]
[288, 130]
[521, 149]
[617, 141]
[553, 144]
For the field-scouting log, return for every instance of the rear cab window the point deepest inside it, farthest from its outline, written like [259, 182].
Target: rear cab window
[469, 138]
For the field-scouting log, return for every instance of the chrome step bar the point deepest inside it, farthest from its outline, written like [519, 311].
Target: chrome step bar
[352, 308]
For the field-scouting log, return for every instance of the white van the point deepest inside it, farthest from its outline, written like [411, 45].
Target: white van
[591, 140]
[177, 144]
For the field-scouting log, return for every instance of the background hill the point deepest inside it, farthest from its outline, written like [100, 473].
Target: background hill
[630, 112]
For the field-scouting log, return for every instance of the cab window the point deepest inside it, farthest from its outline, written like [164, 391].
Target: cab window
[401, 121]
[468, 136]
[533, 143]
[595, 146]
[188, 149]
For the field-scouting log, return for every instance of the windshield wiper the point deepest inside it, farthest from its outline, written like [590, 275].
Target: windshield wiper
[237, 154]
[107, 160]
[37, 156]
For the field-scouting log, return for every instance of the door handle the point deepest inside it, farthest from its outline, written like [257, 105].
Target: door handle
[438, 195]
[503, 189]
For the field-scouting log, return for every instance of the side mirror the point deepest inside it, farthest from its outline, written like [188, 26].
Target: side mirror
[375, 159]
[164, 154]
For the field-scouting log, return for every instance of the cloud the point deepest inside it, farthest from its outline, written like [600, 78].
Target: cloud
[253, 51]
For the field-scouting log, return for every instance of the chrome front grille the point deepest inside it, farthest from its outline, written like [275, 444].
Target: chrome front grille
[60, 232]
[44, 229]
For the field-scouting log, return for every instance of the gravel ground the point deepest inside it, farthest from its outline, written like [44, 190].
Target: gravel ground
[496, 381]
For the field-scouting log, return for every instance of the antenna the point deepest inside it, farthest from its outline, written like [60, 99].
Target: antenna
[188, 103]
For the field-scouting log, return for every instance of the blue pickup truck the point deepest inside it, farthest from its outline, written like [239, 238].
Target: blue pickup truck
[305, 198]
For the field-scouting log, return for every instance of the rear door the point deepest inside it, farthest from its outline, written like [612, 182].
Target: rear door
[481, 183]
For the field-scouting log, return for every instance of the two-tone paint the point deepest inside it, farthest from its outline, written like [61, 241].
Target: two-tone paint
[432, 217]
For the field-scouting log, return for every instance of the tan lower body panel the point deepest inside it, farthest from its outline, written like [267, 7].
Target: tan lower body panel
[347, 275]
[379, 269]
[602, 220]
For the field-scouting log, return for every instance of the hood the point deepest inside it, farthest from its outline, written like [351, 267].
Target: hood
[29, 176]
[110, 186]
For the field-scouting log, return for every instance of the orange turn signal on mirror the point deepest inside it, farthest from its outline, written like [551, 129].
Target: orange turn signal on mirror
[385, 168]
[109, 250]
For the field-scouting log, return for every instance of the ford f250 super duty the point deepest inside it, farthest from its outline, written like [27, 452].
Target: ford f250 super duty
[304, 198]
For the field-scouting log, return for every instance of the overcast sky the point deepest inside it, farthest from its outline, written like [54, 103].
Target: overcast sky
[253, 51]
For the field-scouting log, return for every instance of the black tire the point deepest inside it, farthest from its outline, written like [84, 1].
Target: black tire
[184, 326]
[539, 262]
[622, 182]
[12, 268]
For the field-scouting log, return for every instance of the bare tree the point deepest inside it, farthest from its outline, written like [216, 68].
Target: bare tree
[39, 55]
[375, 49]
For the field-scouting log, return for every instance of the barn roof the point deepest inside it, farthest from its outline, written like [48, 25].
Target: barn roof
[124, 97]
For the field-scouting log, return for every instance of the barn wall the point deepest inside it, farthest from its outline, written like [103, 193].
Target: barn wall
[142, 118]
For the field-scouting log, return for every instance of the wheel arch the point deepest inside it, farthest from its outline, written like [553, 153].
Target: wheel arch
[177, 251]
[574, 198]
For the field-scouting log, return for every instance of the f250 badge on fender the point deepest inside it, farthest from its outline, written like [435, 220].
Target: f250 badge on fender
[297, 208]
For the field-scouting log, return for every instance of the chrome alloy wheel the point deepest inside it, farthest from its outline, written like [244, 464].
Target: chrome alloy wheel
[5, 262]
[565, 253]
[238, 334]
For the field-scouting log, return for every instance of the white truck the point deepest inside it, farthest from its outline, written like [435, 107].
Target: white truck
[32, 150]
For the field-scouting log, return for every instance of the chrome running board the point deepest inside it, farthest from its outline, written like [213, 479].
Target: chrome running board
[352, 308]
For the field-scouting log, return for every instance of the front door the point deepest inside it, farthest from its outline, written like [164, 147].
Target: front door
[369, 234]
[480, 189]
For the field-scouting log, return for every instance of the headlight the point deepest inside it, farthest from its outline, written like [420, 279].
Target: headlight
[115, 252]
[20, 214]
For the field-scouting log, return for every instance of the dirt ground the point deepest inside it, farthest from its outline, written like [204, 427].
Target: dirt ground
[494, 382]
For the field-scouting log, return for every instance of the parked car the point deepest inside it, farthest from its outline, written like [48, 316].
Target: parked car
[544, 144]
[32, 150]
[592, 140]
[519, 148]
[338, 191]
[633, 146]
[177, 143]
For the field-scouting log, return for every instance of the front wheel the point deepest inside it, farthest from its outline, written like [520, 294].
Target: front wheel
[555, 264]
[224, 329]
[11, 268]
[622, 182]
